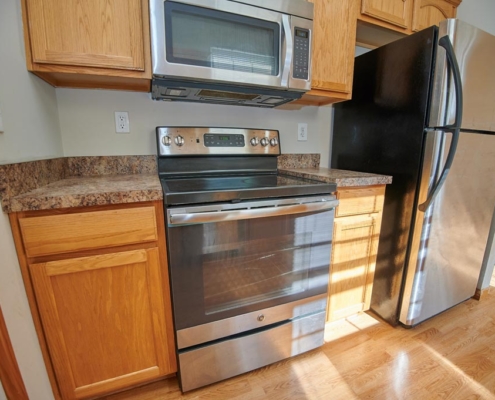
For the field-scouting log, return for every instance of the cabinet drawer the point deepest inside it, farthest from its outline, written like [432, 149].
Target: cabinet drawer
[57, 234]
[355, 201]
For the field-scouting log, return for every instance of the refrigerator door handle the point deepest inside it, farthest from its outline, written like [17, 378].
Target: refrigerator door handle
[454, 128]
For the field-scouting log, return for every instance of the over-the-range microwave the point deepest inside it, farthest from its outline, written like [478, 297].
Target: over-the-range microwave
[243, 52]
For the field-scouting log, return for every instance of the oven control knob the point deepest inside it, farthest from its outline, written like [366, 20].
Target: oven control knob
[264, 142]
[166, 140]
[254, 141]
[273, 142]
[179, 140]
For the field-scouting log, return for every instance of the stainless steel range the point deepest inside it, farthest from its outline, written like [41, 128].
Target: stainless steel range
[248, 249]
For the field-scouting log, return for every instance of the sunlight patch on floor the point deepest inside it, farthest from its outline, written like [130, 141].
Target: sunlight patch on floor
[473, 385]
[348, 326]
[319, 379]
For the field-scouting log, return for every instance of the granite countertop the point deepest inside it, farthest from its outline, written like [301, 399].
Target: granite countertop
[90, 191]
[89, 181]
[342, 178]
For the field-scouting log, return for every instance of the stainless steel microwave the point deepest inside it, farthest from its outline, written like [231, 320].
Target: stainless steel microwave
[243, 52]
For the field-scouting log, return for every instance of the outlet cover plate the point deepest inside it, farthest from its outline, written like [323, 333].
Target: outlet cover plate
[302, 132]
[122, 122]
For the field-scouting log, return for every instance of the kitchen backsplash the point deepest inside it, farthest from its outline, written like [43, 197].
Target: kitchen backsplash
[298, 161]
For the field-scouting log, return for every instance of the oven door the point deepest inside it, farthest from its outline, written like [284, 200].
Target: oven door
[232, 259]
[222, 41]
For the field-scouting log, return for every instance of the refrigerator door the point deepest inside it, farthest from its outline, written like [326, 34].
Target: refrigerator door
[450, 238]
[475, 53]
[381, 130]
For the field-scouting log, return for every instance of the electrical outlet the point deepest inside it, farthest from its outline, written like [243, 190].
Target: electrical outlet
[302, 132]
[122, 122]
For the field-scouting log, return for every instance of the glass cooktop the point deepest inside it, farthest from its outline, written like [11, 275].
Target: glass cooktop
[237, 188]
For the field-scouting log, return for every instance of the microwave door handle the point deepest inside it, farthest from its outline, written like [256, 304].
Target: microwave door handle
[289, 49]
[455, 128]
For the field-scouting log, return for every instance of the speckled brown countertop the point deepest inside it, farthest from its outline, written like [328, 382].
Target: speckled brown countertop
[78, 182]
[89, 181]
[90, 191]
[342, 178]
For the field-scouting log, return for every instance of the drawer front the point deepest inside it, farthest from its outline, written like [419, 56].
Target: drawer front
[55, 234]
[355, 201]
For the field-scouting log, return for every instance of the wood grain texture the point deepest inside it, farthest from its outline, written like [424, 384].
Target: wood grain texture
[451, 356]
[78, 43]
[333, 46]
[430, 12]
[105, 324]
[96, 33]
[57, 234]
[33, 305]
[395, 12]
[355, 244]
[158, 272]
[354, 250]
[10, 376]
[354, 201]
[84, 80]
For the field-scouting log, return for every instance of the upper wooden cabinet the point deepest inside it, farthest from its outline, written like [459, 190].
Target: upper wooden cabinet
[334, 40]
[90, 43]
[430, 12]
[406, 16]
[396, 12]
[376, 23]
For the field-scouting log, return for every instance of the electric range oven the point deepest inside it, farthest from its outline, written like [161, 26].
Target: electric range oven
[248, 251]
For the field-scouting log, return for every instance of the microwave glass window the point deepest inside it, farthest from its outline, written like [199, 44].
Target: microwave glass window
[214, 39]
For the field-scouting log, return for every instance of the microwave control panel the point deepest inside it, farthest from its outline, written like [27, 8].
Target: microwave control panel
[300, 68]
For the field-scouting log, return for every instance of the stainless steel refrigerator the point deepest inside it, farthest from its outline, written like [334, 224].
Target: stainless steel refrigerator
[423, 111]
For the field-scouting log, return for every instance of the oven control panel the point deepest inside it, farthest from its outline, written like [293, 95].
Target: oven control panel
[177, 141]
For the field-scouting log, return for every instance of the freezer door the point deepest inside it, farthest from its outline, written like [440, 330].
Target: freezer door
[450, 238]
[475, 53]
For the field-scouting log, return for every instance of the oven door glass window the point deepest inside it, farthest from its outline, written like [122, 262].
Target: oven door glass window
[215, 39]
[223, 269]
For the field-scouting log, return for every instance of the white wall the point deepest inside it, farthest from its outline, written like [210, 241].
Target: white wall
[30, 117]
[480, 13]
[88, 127]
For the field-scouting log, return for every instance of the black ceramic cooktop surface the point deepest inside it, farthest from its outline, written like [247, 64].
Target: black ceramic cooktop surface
[237, 188]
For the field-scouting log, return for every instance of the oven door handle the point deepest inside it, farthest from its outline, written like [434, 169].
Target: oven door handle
[262, 212]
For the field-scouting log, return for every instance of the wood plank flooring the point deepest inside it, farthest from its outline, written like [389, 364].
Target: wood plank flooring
[451, 356]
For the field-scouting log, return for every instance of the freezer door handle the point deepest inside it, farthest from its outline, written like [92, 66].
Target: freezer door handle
[454, 128]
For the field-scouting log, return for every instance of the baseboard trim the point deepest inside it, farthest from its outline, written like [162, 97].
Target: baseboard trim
[480, 293]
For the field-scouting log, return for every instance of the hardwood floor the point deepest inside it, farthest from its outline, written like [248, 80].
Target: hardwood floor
[451, 356]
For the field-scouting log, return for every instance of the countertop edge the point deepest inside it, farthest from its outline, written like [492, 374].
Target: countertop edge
[342, 178]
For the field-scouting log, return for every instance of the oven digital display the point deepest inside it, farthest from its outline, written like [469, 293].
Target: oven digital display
[220, 140]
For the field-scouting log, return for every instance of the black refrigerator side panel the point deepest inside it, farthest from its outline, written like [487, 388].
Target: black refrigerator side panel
[381, 130]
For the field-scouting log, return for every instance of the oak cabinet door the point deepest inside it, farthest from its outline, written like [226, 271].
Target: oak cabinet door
[104, 320]
[355, 243]
[395, 12]
[430, 12]
[90, 33]
[333, 45]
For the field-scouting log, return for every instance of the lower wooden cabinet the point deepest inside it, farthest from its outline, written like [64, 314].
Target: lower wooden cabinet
[355, 245]
[105, 313]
